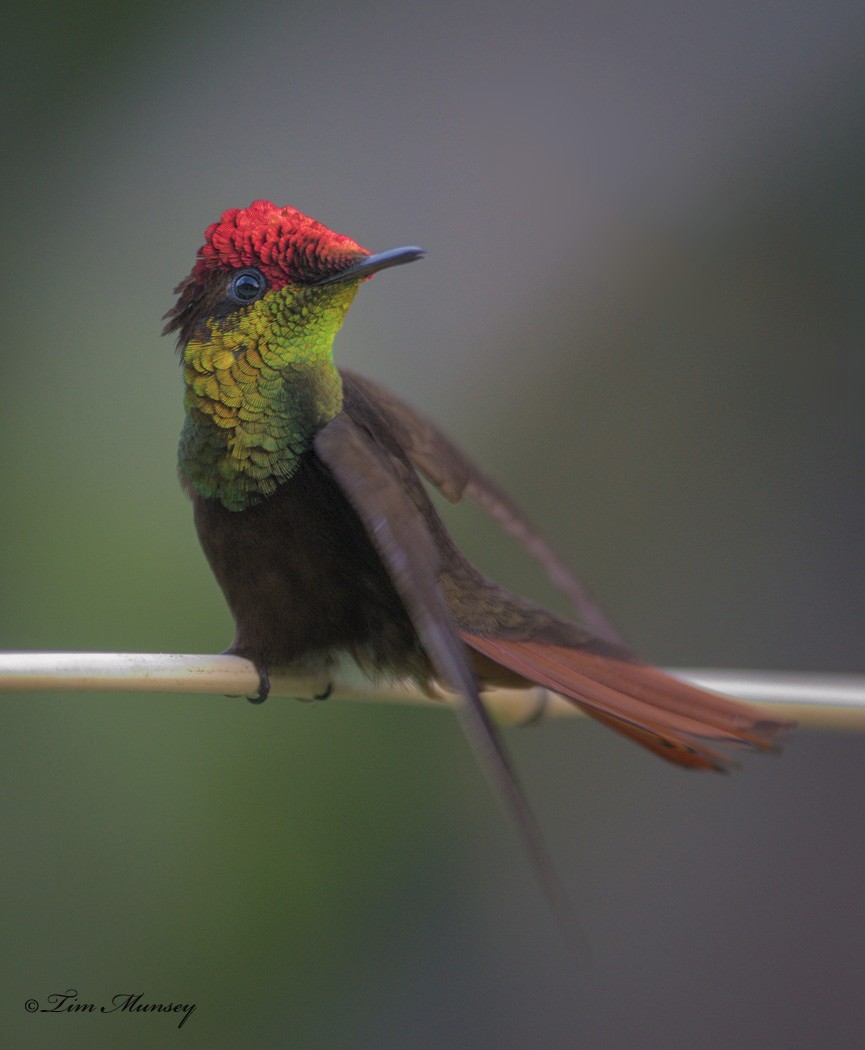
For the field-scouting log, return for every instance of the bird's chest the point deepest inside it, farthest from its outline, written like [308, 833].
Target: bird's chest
[302, 578]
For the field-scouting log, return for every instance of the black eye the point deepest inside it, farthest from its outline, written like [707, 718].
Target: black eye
[247, 285]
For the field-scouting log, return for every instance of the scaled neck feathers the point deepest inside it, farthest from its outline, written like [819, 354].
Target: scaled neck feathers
[259, 385]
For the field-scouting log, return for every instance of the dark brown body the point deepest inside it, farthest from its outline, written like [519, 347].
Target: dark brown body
[302, 579]
[332, 562]
[304, 582]
[348, 555]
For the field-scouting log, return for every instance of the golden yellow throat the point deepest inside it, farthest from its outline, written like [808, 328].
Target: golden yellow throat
[258, 387]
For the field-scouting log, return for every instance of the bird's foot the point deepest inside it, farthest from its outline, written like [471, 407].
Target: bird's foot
[263, 676]
[322, 694]
[263, 686]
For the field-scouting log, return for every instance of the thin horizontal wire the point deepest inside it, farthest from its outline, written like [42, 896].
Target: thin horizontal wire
[781, 687]
[830, 700]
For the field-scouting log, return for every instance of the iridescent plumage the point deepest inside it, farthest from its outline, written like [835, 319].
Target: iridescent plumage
[310, 507]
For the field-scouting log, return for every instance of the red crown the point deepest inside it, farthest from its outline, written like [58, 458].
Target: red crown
[286, 245]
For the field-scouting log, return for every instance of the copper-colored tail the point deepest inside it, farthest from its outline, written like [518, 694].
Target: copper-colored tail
[662, 713]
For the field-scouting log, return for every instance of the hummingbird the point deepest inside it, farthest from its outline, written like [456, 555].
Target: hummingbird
[308, 494]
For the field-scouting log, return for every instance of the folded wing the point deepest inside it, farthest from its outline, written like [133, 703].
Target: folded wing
[455, 475]
[370, 476]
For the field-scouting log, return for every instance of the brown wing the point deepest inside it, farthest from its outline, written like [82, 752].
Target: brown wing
[666, 716]
[370, 476]
[455, 475]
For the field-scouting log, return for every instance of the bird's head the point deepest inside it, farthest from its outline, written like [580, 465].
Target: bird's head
[264, 259]
[255, 322]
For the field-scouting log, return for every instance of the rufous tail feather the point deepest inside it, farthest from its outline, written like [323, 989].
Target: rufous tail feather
[662, 713]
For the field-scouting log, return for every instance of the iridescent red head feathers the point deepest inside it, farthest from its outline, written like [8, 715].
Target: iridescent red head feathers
[286, 245]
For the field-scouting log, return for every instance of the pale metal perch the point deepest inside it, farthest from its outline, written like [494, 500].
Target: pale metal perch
[830, 701]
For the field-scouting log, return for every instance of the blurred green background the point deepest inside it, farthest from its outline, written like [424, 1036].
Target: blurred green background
[642, 311]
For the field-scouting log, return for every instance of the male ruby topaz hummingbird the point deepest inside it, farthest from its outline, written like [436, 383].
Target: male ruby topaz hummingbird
[307, 487]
